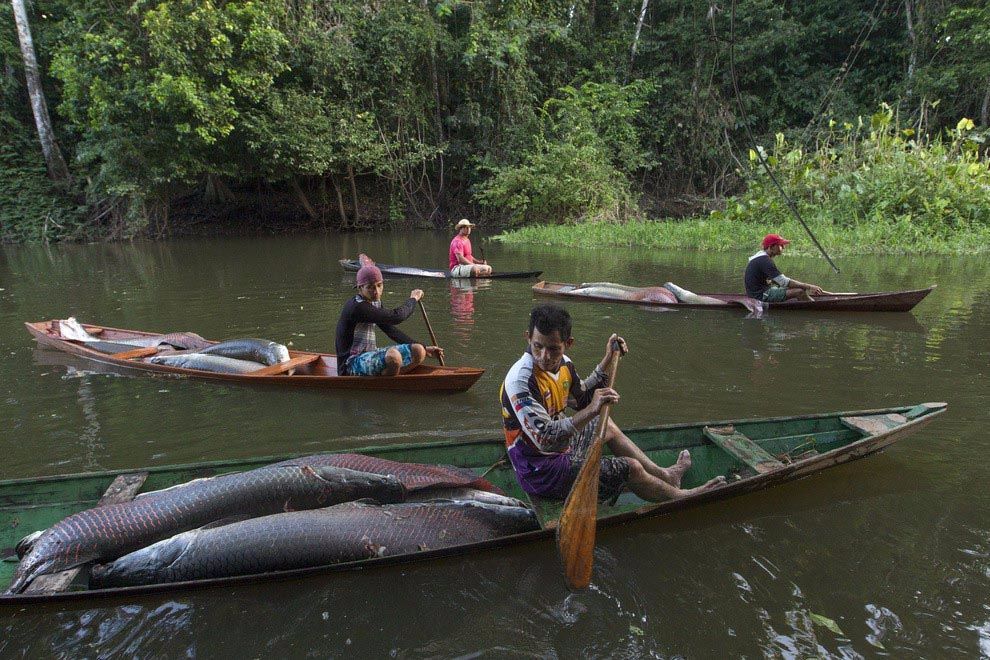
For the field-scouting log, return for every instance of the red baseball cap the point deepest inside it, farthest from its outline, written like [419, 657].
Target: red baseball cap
[774, 239]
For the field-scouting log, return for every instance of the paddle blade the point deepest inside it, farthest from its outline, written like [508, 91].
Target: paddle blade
[576, 528]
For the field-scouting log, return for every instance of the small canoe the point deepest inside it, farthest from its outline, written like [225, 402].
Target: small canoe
[352, 265]
[888, 301]
[308, 369]
[753, 454]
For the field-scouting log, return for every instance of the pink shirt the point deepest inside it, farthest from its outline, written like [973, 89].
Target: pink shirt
[460, 245]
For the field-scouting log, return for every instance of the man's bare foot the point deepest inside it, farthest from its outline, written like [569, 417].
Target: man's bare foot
[708, 485]
[677, 470]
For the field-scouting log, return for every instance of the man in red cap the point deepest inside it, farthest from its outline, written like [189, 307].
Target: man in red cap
[766, 283]
[357, 351]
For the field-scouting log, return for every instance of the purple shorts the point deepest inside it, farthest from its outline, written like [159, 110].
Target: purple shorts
[552, 475]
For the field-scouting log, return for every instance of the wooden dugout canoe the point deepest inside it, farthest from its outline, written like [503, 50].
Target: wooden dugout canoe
[890, 301]
[352, 265]
[310, 369]
[753, 454]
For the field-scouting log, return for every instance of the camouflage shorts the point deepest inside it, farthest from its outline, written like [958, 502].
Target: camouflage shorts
[614, 472]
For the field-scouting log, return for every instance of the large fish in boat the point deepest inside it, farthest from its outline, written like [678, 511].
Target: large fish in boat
[620, 291]
[414, 476]
[71, 329]
[685, 296]
[106, 532]
[421, 481]
[212, 363]
[464, 495]
[285, 541]
[255, 350]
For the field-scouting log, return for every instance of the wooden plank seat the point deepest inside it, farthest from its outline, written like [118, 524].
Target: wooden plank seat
[874, 424]
[141, 352]
[288, 365]
[122, 489]
[924, 409]
[742, 448]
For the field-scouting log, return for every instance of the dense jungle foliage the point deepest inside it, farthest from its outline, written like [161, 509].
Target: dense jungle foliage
[198, 115]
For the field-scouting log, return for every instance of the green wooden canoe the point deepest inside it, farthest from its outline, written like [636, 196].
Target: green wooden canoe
[753, 454]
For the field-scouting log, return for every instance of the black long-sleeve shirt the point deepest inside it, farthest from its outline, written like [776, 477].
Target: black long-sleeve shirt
[357, 311]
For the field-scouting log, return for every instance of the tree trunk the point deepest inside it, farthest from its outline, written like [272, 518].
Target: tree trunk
[913, 56]
[985, 110]
[340, 202]
[57, 168]
[639, 27]
[354, 197]
[301, 196]
[437, 120]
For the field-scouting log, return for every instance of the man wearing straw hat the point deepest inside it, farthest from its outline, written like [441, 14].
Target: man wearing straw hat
[462, 262]
[357, 351]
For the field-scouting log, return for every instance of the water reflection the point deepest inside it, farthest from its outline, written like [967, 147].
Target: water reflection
[89, 435]
[462, 303]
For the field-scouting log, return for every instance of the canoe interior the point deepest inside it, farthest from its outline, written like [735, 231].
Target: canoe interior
[803, 444]
[321, 372]
[888, 301]
[352, 265]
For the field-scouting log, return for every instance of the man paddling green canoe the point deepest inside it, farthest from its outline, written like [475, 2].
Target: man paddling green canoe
[547, 448]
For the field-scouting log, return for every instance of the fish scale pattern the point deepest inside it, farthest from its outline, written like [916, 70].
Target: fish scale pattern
[302, 539]
[414, 476]
[106, 532]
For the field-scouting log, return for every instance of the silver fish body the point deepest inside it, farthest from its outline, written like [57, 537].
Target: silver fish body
[303, 539]
[106, 532]
[256, 350]
[211, 363]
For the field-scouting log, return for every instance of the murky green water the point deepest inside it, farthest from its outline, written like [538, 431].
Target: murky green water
[894, 549]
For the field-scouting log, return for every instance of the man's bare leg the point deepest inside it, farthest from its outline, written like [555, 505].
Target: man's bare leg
[794, 292]
[481, 270]
[621, 445]
[418, 354]
[393, 362]
[652, 489]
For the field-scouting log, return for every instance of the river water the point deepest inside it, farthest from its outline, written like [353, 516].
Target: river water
[885, 556]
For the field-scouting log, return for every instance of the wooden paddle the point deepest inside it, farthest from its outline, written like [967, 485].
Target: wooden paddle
[576, 528]
[840, 293]
[429, 328]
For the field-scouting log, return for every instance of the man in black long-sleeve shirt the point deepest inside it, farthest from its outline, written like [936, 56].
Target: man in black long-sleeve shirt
[357, 351]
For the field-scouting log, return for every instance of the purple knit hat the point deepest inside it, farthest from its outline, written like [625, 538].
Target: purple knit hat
[368, 275]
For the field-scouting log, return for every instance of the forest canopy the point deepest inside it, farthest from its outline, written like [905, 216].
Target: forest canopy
[182, 114]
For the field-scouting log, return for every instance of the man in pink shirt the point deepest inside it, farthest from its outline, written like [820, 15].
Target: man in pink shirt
[462, 262]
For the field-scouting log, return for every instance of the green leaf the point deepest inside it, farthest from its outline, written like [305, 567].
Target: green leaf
[826, 622]
[636, 630]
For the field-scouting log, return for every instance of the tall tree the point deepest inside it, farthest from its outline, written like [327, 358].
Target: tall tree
[57, 168]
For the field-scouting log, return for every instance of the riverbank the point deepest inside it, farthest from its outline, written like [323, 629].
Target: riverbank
[706, 234]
